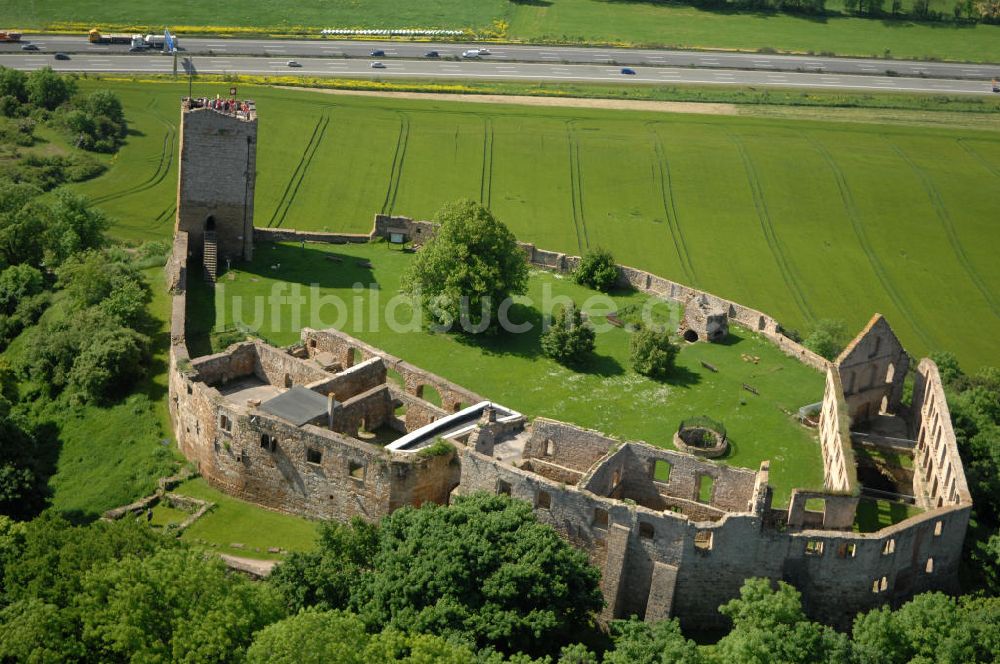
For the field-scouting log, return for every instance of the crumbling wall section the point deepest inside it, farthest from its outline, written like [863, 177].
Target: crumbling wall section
[566, 445]
[347, 351]
[277, 367]
[939, 477]
[839, 469]
[872, 370]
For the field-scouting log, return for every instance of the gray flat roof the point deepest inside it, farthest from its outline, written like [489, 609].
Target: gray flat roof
[298, 405]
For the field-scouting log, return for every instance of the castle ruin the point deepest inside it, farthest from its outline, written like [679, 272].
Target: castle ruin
[333, 428]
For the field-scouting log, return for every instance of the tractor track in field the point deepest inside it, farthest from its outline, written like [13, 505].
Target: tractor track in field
[859, 231]
[949, 229]
[670, 210]
[971, 151]
[162, 168]
[576, 190]
[396, 171]
[764, 217]
[295, 180]
[486, 180]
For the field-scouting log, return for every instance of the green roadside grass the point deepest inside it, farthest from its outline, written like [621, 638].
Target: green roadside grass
[661, 24]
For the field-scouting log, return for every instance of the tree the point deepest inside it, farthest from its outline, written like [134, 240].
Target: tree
[570, 338]
[315, 637]
[73, 227]
[48, 90]
[827, 338]
[653, 353]
[483, 571]
[932, 627]
[324, 578]
[467, 270]
[597, 269]
[638, 642]
[54, 556]
[13, 83]
[24, 471]
[178, 605]
[770, 626]
[90, 353]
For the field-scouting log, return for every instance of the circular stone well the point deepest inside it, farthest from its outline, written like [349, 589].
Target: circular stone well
[701, 437]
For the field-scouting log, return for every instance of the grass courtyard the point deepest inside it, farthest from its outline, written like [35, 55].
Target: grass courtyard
[604, 395]
[801, 219]
[674, 24]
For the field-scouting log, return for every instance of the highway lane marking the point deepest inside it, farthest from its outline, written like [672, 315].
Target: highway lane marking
[809, 84]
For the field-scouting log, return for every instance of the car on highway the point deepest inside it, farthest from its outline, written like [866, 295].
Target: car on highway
[472, 53]
[628, 70]
[293, 63]
[378, 65]
[61, 56]
[432, 54]
[996, 85]
[30, 47]
[484, 51]
[377, 53]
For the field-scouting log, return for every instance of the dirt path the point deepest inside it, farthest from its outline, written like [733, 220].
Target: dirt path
[909, 117]
[258, 568]
[702, 108]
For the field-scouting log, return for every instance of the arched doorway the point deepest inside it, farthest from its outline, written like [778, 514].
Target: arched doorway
[210, 224]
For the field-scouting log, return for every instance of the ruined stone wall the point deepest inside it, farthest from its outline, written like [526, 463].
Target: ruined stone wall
[364, 412]
[351, 381]
[347, 350]
[659, 564]
[277, 367]
[939, 477]
[237, 361]
[218, 156]
[566, 445]
[872, 371]
[628, 472]
[839, 470]
[414, 231]
[418, 413]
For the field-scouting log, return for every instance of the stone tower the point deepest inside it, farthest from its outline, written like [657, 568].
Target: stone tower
[216, 182]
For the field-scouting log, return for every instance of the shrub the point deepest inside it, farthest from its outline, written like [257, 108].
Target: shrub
[48, 90]
[827, 338]
[570, 338]
[653, 353]
[597, 269]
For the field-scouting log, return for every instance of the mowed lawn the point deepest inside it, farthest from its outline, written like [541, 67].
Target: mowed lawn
[604, 394]
[592, 21]
[804, 220]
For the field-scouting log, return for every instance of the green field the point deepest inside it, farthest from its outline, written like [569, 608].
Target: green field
[592, 21]
[605, 395]
[801, 219]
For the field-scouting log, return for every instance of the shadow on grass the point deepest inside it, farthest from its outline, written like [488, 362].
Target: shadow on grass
[307, 265]
[680, 377]
[272, 264]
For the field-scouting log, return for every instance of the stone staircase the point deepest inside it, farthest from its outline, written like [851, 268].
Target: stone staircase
[211, 256]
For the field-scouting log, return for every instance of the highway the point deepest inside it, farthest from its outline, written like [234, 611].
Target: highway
[507, 53]
[486, 70]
